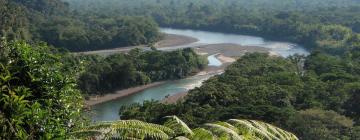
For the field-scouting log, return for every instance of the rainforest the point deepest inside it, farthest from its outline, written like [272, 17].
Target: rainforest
[180, 69]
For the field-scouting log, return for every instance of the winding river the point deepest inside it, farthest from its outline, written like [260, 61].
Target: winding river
[109, 110]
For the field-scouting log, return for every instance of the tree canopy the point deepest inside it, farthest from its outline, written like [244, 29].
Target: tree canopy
[39, 98]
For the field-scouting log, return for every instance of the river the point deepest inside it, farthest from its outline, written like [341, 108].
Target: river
[109, 110]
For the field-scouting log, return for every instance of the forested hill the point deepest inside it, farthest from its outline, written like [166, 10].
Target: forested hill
[51, 21]
[278, 5]
[315, 24]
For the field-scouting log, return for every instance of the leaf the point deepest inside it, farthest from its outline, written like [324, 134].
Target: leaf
[178, 126]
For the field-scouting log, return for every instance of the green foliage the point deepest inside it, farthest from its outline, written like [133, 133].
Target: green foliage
[93, 33]
[51, 21]
[174, 128]
[39, 100]
[273, 89]
[13, 21]
[138, 67]
[179, 127]
[124, 129]
[320, 24]
[315, 124]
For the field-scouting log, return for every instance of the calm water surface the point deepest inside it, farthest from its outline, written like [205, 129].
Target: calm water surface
[109, 110]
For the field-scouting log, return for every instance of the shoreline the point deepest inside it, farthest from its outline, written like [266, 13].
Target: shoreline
[222, 55]
[174, 98]
[170, 40]
[94, 100]
[226, 61]
[226, 53]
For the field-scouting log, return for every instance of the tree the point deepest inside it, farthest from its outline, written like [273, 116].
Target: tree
[39, 99]
[316, 124]
[352, 105]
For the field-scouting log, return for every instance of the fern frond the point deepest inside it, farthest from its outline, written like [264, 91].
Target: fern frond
[262, 130]
[126, 129]
[180, 128]
[181, 138]
[145, 132]
[247, 126]
[222, 131]
[203, 134]
[227, 125]
[174, 128]
[141, 124]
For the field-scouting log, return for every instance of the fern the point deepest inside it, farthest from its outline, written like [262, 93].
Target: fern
[203, 134]
[178, 126]
[263, 130]
[223, 132]
[125, 129]
[176, 129]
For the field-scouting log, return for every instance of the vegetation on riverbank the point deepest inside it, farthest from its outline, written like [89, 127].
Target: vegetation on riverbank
[315, 96]
[315, 24]
[38, 94]
[276, 90]
[51, 22]
[319, 87]
[121, 71]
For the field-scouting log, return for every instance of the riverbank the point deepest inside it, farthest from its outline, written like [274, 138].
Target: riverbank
[225, 48]
[209, 70]
[94, 100]
[169, 40]
[226, 53]
[174, 98]
[229, 49]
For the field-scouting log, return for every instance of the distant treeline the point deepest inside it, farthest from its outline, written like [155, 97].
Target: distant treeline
[52, 22]
[311, 23]
[138, 67]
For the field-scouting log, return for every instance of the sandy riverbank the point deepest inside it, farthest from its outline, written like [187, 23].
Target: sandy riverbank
[174, 98]
[168, 41]
[175, 40]
[120, 94]
[229, 50]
